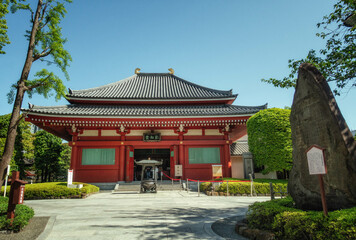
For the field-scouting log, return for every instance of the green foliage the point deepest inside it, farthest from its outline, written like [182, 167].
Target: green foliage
[54, 190]
[48, 47]
[257, 180]
[48, 149]
[245, 187]
[270, 140]
[337, 60]
[4, 39]
[23, 214]
[64, 160]
[287, 222]
[24, 148]
[261, 214]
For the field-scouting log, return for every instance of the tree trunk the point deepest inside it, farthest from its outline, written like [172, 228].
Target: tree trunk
[21, 89]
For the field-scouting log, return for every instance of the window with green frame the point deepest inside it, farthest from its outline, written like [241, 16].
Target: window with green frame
[98, 156]
[204, 155]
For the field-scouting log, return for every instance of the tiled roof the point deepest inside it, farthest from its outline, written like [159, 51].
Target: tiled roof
[238, 148]
[144, 110]
[151, 86]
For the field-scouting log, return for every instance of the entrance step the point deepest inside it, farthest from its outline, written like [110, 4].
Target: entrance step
[135, 186]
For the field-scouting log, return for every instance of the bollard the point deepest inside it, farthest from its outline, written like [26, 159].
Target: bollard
[271, 190]
[180, 184]
[172, 181]
[187, 185]
[227, 188]
[198, 189]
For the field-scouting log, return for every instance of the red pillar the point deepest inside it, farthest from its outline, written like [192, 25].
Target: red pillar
[181, 153]
[227, 156]
[127, 165]
[227, 162]
[74, 161]
[122, 163]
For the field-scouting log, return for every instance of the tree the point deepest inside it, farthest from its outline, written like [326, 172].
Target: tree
[64, 161]
[270, 140]
[4, 39]
[337, 61]
[45, 43]
[23, 143]
[48, 149]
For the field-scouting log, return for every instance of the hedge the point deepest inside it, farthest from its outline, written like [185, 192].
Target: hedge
[244, 187]
[53, 190]
[23, 214]
[287, 222]
[270, 139]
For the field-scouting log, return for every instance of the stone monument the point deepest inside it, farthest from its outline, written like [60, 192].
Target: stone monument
[316, 119]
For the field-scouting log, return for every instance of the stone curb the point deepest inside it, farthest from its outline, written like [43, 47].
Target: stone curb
[48, 228]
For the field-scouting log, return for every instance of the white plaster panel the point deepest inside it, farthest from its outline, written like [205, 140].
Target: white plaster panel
[137, 132]
[211, 132]
[162, 132]
[109, 133]
[89, 133]
[194, 132]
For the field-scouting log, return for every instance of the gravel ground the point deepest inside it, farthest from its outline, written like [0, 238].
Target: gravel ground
[34, 228]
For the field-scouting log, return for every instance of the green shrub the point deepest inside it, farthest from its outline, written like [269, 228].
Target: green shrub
[290, 223]
[261, 214]
[23, 214]
[245, 187]
[53, 190]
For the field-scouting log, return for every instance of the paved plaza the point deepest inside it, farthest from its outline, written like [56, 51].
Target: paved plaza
[165, 215]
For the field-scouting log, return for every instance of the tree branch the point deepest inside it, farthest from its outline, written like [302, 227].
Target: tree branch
[43, 12]
[44, 53]
[41, 83]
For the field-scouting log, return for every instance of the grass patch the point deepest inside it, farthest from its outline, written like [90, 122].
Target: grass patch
[281, 217]
[52, 190]
[23, 214]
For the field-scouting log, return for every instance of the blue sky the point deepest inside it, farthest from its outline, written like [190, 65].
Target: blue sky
[229, 44]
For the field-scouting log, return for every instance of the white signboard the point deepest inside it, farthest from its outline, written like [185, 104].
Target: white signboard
[217, 170]
[316, 162]
[178, 170]
[70, 177]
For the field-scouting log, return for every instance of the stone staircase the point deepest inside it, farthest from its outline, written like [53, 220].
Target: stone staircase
[135, 186]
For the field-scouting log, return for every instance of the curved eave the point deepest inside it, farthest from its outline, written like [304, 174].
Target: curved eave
[136, 117]
[227, 100]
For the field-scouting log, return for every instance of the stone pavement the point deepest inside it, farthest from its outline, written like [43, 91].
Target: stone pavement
[165, 215]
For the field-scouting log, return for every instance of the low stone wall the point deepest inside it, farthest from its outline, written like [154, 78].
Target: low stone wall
[241, 228]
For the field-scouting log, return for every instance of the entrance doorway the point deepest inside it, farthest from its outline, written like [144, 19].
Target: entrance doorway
[153, 154]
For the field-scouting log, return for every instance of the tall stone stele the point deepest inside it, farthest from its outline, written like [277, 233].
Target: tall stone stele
[316, 119]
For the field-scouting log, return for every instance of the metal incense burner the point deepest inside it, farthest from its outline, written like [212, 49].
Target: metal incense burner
[149, 184]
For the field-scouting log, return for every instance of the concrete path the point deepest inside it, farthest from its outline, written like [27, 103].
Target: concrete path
[165, 215]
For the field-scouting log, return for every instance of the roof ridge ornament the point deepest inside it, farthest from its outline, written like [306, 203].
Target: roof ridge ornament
[171, 71]
[137, 70]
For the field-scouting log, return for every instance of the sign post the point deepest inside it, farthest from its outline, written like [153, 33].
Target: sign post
[217, 171]
[16, 196]
[70, 177]
[178, 170]
[317, 166]
[6, 177]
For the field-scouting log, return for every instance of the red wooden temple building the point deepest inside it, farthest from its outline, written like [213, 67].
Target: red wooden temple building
[148, 115]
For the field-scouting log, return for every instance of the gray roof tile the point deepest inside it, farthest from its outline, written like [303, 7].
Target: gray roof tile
[145, 110]
[151, 86]
[238, 148]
